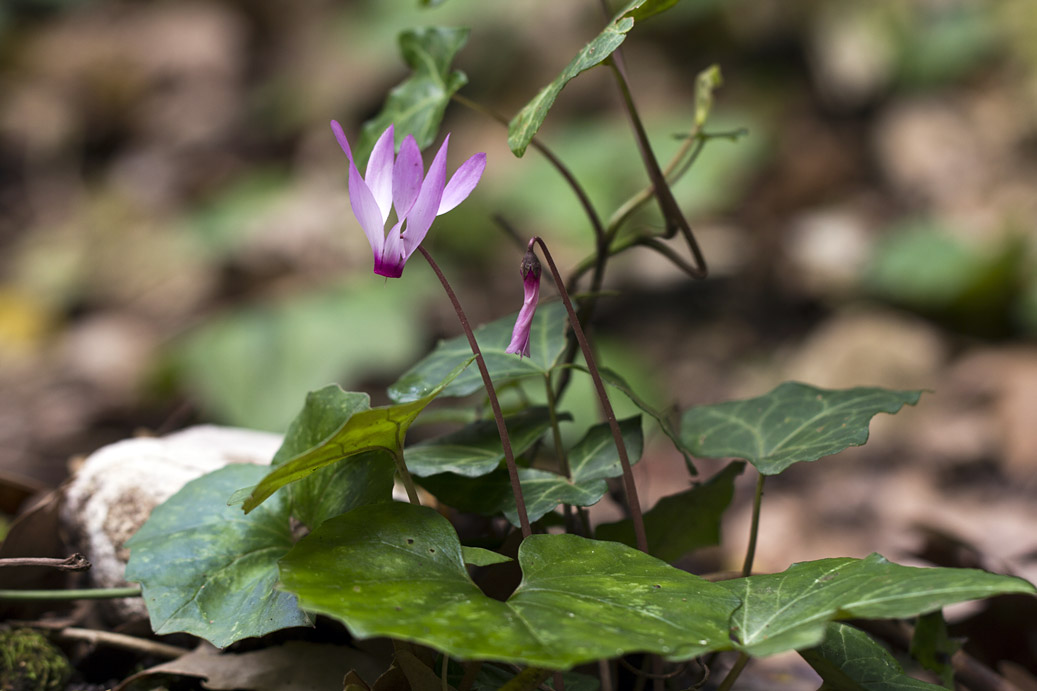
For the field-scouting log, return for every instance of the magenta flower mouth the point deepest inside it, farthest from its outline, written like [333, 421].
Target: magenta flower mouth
[399, 182]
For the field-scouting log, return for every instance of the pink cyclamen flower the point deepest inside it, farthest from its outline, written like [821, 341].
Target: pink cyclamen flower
[530, 271]
[399, 182]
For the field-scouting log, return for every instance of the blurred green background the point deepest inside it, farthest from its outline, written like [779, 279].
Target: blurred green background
[176, 242]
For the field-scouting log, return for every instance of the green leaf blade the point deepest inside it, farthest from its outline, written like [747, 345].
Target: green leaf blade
[207, 570]
[789, 610]
[523, 127]
[416, 106]
[476, 449]
[683, 522]
[849, 660]
[397, 570]
[547, 341]
[374, 429]
[794, 423]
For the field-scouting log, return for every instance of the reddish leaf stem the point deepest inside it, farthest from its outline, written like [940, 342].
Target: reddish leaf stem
[628, 475]
[502, 429]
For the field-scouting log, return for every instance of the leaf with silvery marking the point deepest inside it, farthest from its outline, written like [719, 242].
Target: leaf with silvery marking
[523, 127]
[207, 570]
[683, 522]
[592, 460]
[849, 660]
[789, 610]
[791, 424]
[397, 570]
[546, 343]
[476, 449]
[416, 105]
[359, 431]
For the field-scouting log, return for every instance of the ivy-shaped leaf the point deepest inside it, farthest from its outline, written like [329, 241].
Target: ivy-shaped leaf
[371, 429]
[683, 522]
[849, 660]
[933, 647]
[791, 424]
[476, 449]
[523, 127]
[789, 610]
[417, 104]
[546, 343]
[591, 460]
[207, 570]
[339, 487]
[397, 570]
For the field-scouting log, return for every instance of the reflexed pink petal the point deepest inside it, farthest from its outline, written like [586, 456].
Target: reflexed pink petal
[406, 176]
[421, 214]
[461, 184]
[392, 258]
[380, 172]
[366, 210]
[342, 141]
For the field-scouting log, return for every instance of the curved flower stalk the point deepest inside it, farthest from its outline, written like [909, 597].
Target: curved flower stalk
[399, 183]
[530, 271]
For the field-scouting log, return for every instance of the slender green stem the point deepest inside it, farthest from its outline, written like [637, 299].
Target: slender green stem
[83, 594]
[732, 674]
[405, 477]
[754, 529]
[633, 503]
[443, 675]
[502, 429]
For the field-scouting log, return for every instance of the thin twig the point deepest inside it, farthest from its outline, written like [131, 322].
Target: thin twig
[75, 562]
[502, 429]
[121, 640]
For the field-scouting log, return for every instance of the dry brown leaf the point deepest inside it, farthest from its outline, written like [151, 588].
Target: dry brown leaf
[294, 666]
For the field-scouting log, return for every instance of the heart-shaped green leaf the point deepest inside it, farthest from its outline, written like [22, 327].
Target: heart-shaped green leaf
[397, 570]
[591, 460]
[789, 610]
[476, 449]
[546, 342]
[683, 522]
[523, 127]
[849, 660]
[417, 104]
[339, 487]
[208, 570]
[791, 424]
[370, 429]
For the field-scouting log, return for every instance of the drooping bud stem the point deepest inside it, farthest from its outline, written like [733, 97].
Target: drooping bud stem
[629, 486]
[502, 429]
[530, 270]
